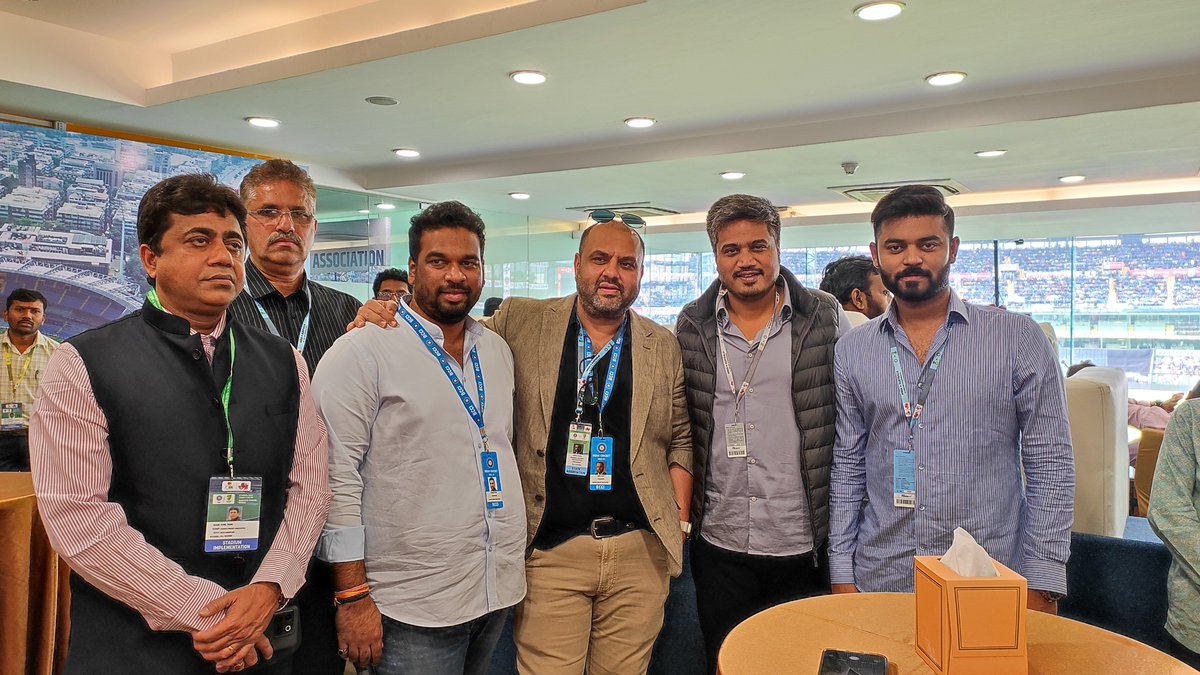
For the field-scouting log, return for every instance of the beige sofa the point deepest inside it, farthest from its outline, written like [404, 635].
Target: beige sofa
[1097, 407]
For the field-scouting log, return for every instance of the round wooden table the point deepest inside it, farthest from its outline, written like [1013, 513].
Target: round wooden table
[789, 638]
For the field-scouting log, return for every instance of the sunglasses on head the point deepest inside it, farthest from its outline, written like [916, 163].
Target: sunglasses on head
[605, 216]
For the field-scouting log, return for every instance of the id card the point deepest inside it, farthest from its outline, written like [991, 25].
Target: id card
[904, 478]
[600, 464]
[579, 440]
[735, 439]
[234, 507]
[11, 416]
[491, 480]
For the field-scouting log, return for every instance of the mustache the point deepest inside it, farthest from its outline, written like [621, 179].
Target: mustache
[612, 282]
[913, 272]
[279, 236]
[453, 288]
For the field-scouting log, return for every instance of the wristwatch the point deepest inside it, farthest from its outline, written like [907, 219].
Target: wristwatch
[685, 526]
[1052, 597]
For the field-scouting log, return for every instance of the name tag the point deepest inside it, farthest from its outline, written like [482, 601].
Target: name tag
[491, 480]
[735, 440]
[904, 478]
[232, 519]
[12, 415]
[600, 464]
[579, 441]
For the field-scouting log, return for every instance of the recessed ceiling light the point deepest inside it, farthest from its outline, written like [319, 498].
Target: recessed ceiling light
[381, 100]
[946, 79]
[527, 77]
[1075, 178]
[407, 153]
[262, 122]
[386, 206]
[640, 122]
[364, 211]
[519, 195]
[878, 11]
[733, 175]
[990, 153]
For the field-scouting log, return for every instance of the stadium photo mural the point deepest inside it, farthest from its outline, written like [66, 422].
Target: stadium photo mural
[68, 218]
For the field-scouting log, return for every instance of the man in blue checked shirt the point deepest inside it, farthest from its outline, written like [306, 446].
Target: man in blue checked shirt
[941, 407]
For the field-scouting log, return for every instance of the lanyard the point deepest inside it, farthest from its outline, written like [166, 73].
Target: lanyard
[152, 296]
[584, 344]
[303, 338]
[14, 381]
[924, 384]
[438, 353]
[739, 393]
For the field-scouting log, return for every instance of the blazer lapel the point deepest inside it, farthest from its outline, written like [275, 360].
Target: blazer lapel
[645, 376]
[554, 329]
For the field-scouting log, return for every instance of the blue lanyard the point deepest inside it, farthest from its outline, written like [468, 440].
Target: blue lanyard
[476, 413]
[584, 344]
[303, 338]
[924, 385]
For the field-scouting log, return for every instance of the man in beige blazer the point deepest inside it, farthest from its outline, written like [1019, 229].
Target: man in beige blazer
[604, 452]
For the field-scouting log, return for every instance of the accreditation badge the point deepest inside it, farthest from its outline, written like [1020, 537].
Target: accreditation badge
[735, 440]
[491, 480]
[904, 478]
[232, 516]
[600, 464]
[12, 416]
[579, 441]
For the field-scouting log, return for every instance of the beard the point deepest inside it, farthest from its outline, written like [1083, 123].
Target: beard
[441, 310]
[911, 291]
[601, 307]
[23, 328]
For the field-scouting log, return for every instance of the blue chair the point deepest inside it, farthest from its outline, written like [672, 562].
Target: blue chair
[1118, 585]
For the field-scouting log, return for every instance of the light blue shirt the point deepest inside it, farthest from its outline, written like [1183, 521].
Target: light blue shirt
[407, 478]
[996, 409]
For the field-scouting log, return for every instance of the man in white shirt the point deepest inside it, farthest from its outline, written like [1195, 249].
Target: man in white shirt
[427, 528]
[855, 282]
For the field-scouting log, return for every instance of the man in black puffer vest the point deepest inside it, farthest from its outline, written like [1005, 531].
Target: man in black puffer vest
[148, 430]
[758, 368]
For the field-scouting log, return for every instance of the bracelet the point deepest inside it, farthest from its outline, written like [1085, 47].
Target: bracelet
[338, 601]
[346, 592]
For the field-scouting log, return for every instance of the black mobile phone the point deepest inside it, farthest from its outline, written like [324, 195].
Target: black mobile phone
[838, 662]
[284, 631]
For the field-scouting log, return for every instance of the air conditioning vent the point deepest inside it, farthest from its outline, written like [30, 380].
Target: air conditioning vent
[875, 191]
[643, 209]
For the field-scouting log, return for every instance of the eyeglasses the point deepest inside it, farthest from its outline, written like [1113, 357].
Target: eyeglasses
[390, 295]
[298, 216]
[605, 216]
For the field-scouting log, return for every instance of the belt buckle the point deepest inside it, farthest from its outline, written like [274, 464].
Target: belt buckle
[601, 522]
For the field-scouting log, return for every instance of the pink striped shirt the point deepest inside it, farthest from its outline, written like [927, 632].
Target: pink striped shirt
[72, 473]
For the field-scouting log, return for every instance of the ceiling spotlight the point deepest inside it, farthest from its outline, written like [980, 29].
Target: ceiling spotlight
[990, 153]
[527, 77]
[946, 79]
[262, 122]
[640, 122]
[878, 11]
[1076, 178]
[385, 206]
[519, 195]
[407, 153]
[364, 211]
[733, 175]
[381, 100]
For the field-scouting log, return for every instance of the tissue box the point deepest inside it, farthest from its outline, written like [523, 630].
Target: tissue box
[968, 625]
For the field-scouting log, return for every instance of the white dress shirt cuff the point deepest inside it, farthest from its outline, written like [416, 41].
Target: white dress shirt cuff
[345, 544]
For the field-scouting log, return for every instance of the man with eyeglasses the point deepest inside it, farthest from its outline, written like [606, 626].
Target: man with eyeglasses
[391, 284]
[280, 298]
[604, 453]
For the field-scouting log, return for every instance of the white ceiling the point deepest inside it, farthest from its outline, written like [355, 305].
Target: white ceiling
[781, 89]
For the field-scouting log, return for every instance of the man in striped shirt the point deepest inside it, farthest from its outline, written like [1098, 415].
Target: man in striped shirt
[942, 407]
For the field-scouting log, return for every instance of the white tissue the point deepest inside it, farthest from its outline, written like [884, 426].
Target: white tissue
[967, 558]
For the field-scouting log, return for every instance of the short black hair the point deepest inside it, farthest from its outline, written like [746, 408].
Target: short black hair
[912, 200]
[491, 305]
[440, 215]
[189, 194]
[1078, 367]
[25, 295]
[842, 276]
[390, 273]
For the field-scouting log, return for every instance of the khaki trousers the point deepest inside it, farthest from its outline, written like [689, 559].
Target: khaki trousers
[592, 602]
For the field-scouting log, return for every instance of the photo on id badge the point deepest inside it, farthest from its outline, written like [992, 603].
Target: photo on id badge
[600, 464]
[233, 510]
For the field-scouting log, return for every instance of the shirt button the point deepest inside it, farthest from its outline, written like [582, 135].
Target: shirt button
[921, 426]
[753, 461]
[751, 426]
[753, 499]
[922, 507]
[922, 467]
[751, 390]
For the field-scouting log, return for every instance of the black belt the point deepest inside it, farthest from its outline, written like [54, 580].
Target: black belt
[607, 526]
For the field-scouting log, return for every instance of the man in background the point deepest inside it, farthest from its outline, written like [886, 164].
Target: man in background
[390, 284]
[26, 352]
[856, 283]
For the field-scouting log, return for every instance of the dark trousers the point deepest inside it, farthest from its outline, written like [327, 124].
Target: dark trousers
[14, 451]
[317, 653]
[731, 587]
[1176, 649]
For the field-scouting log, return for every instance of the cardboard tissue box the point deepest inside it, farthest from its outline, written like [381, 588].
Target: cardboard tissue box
[970, 625]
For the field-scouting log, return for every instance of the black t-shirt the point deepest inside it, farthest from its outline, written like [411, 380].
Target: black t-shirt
[570, 505]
